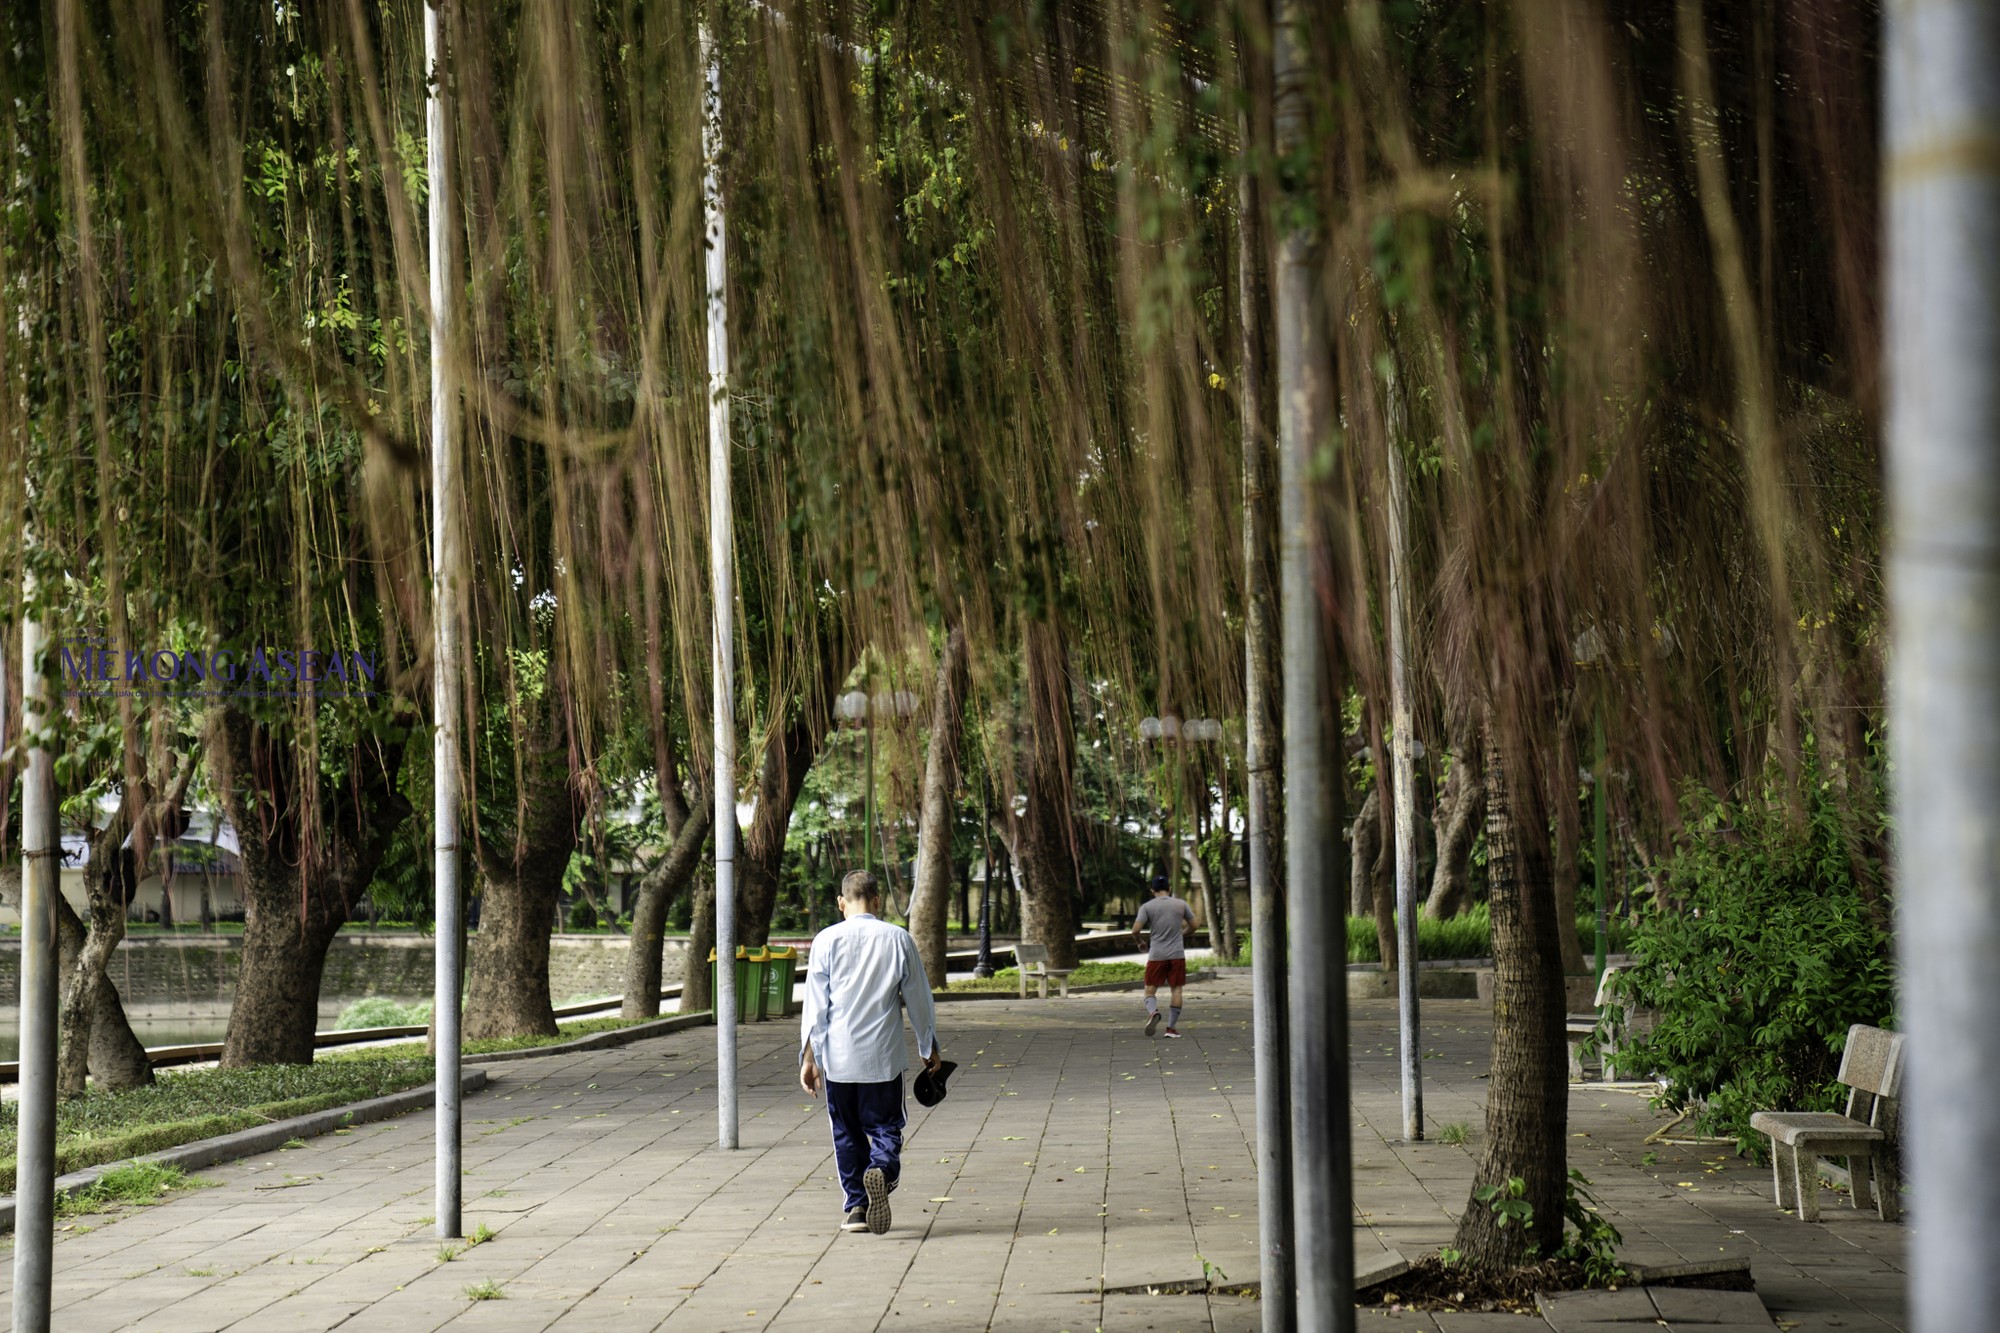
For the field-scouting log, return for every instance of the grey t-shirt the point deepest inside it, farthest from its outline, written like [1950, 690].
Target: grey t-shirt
[1164, 917]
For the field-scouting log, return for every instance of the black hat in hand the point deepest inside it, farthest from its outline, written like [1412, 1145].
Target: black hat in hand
[930, 1087]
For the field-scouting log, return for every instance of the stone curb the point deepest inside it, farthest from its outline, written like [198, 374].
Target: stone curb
[1095, 988]
[262, 1138]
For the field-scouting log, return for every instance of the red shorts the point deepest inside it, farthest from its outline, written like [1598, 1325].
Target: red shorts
[1166, 972]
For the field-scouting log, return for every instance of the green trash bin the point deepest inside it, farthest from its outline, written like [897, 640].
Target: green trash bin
[746, 983]
[753, 1000]
[779, 968]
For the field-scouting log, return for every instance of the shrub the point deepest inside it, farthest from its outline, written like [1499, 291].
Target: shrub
[1467, 935]
[1770, 955]
[379, 1011]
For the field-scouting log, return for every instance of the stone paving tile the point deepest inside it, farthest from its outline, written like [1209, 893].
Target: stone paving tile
[1073, 1154]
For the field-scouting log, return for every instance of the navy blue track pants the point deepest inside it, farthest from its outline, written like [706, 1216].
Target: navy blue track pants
[867, 1131]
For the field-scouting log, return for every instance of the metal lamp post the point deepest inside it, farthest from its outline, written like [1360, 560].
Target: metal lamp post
[1167, 727]
[1590, 653]
[857, 706]
[984, 967]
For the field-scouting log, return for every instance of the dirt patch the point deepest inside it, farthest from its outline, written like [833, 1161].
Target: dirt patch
[1432, 1285]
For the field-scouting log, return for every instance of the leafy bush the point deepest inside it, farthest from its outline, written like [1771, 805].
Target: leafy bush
[1467, 935]
[1768, 958]
[379, 1011]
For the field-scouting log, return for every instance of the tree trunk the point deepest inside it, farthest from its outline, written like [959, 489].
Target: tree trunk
[1047, 842]
[1364, 847]
[296, 893]
[1569, 833]
[1527, 1098]
[507, 982]
[1204, 885]
[108, 880]
[117, 1059]
[1459, 809]
[930, 897]
[662, 884]
[781, 777]
[697, 982]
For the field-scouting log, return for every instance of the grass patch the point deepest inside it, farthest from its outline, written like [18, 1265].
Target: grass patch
[488, 1290]
[1455, 1134]
[415, 1050]
[480, 1235]
[134, 1185]
[190, 1104]
[1087, 974]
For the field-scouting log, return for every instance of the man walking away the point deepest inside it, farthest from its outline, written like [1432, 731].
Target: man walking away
[1167, 918]
[861, 975]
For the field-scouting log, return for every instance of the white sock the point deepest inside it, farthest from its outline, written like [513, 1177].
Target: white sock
[1152, 1004]
[1173, 1016]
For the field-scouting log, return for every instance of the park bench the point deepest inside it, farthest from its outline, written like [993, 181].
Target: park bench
[1612, 1021]
[1872, 1068]
[1036, 956]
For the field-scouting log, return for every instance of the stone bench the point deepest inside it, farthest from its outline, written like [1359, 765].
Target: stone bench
[1872, 1069]
[1604, 1028]
[1036, 957]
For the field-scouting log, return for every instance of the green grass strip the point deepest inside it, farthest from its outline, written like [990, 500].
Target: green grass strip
[492, 1045]
[186, 1105]
[1086, 974]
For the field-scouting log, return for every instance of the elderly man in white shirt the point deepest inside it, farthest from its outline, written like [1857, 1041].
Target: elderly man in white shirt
[861, 975]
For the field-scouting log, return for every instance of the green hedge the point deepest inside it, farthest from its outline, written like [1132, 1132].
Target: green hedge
[1468, 935]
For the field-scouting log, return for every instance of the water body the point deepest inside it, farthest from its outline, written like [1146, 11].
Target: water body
[178, 1031]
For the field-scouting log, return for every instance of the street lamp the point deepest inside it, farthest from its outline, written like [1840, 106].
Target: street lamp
[1591, 652]
[1167, 727]
[857, 706]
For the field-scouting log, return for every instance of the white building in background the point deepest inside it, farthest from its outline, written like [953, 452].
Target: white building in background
[200, 882]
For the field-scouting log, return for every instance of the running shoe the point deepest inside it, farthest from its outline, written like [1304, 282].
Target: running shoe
[876, 1185]
[1152, 1023]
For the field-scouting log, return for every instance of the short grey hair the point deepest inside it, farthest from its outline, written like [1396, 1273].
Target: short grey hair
[860, 887]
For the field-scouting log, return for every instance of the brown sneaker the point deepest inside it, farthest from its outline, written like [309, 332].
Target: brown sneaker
[1153, 1023]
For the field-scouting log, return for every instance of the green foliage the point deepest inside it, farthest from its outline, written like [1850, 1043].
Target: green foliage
[1507, 1202]
[1454, 1134]
[1467, 935]
[1594, 1242]
[1764, 955]
[186, 1105]
[379, 1011]
[488, 1290]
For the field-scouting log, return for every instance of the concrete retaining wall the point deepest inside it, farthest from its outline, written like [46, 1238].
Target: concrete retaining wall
[194, 976]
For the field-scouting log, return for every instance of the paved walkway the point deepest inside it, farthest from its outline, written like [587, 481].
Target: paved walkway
[1073, 1157]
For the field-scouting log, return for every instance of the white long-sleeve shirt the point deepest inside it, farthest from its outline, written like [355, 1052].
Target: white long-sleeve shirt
[860, 976]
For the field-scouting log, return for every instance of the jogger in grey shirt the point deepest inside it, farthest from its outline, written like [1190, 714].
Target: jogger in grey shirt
[1166, 918]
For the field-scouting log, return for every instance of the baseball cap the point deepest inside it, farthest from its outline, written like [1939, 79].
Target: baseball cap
[930, 1087]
